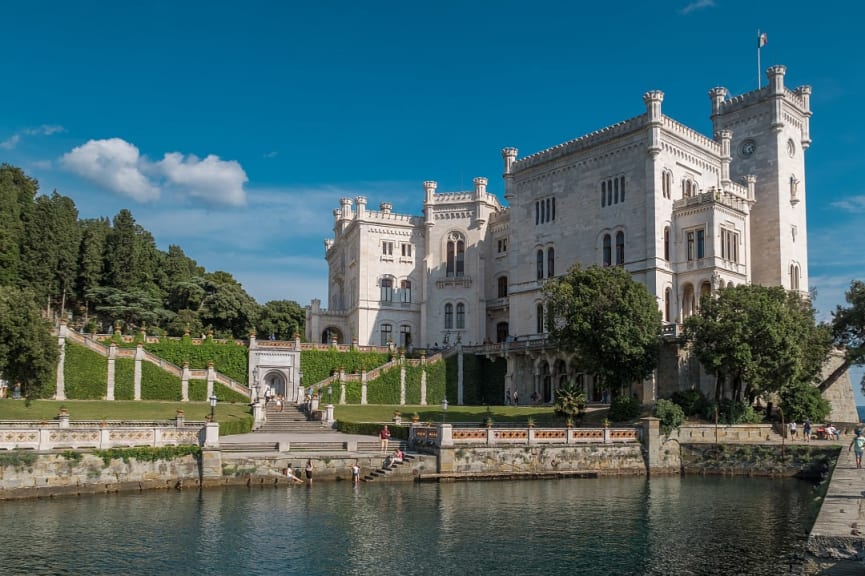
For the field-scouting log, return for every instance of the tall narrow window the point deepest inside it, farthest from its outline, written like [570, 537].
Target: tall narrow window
[667, 243]
[690, 244]
[539, 260]
[501, 332]
[451, 257]
[461, 258]
[603, 194]
[405, 291]
[449, 316]
[622, 188]
[503, 286]
[615, 190]
[620, 249]
[539, 312]
[461, 316]
[386, 334]
[537, 213]
[405, 336]
[794, 277]
[667, 298]
[543, 212]
[551, 262]
[406, 250]
[701, 243]
[667, 183]
[608, 250]
[386, 290]
[553, 217]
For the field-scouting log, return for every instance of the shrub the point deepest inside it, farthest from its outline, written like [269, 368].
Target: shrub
[692, 402]
[734, 412]
[801, 400]
[624, 408]
[670, 414]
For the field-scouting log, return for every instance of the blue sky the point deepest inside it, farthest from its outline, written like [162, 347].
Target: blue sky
[233, 128]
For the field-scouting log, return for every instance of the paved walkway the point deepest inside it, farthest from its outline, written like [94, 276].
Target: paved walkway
[323, 436]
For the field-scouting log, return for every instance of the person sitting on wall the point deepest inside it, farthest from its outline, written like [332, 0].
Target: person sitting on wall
[289, 473]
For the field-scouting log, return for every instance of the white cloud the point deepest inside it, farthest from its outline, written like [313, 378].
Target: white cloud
[213, 180]
[854, 204]
[11, 142]
[271, 154]
[43, 130]
[114, 164]
[697, 5]
[118, 166]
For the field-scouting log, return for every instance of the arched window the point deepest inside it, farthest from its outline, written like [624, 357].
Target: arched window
[386, 334]
[551, 262]
[451, 258]
[689, 188]
[794, 277]
[615, 190]
[667, 243]
[449, 316]
[620, 248]
[540, 318]
[608, 250]
[503, 286]
[456, 252]
[461, 258]
[667, 184]
[603, 193]
[540, 264]
[461, 316]
[405, 291]
[622, 188]
[405, 335]
[387, 290]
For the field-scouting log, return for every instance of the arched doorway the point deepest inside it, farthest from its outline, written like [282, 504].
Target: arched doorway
[330, 334]
[276, 382]
[546, 391]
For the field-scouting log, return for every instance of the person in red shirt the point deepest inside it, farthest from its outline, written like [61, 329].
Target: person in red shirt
[384, 436]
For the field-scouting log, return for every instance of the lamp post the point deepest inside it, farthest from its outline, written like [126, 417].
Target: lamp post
[444, 410]
[212, 406]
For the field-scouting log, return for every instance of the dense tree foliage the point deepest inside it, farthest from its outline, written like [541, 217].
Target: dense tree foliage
[608, 319]
[106, 272]
[848, 331]
[28, 352]
[758, 339]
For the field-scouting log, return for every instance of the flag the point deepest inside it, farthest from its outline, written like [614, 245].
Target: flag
[762, 39]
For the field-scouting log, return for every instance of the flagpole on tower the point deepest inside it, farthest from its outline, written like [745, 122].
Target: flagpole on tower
[762, 39]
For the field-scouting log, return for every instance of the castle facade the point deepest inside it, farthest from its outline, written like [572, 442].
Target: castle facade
[684, 213]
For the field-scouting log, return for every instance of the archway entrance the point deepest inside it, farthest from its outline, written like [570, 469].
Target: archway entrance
[276, 382]
[330, 334]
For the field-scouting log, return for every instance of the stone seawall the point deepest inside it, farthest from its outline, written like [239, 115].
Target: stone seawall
[603, 459]
[799, 460]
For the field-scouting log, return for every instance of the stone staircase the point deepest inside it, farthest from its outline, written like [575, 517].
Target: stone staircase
[291, 419]
[397, 469]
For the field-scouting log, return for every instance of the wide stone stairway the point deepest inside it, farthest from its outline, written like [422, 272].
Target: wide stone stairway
[292, 419]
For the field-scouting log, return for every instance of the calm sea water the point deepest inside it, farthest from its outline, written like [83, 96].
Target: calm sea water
[861, 411]
[658, 526]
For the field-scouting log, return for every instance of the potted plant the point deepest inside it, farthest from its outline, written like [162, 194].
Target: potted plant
[606, 422]
[488, 418]
[415, 417]
[531, 422]
[397, 417]
[569, 422]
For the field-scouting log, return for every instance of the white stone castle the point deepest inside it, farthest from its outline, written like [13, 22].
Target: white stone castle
[682, 212]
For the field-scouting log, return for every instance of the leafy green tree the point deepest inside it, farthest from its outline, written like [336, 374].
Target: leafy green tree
[608, 319]
[801, 400]
[94, 233]
[17, 191]
[282, 318]
[758, 339]
[848, 330]
[670, 414]
[134, 308]
[226, 307]
[52, 239]
[28, 352]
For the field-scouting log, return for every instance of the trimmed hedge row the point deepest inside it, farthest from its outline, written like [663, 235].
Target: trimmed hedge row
[85, 373]
[157, 384]
[124, 379]
[397, 431]
[385, 389]
[319, 364]
[228, 357]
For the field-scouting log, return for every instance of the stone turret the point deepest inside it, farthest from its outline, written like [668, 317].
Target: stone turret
[652, 100]
[385, 207]
[480, 187]
[717, 95]
[345, 203]
[776, 89]
[430, 189]
[509, 155]
[361, 206]
[804, 92]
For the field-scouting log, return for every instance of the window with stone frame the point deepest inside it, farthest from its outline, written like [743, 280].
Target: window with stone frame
[461, 316]
[449, 316]
[539, 316]
[503, 286]
[608, 250]
[539, 261]
[729, 245]
[386, 334]
[551, 262]
[386, 289]
[620, 248]
[405, 291]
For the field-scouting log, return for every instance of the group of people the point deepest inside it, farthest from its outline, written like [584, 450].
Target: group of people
[829, 432]
[512, 398]
[290, 474]
[270, 396]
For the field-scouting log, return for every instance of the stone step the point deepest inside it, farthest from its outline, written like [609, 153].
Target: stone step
[249, 447]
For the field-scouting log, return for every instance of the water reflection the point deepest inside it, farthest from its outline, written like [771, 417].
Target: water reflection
[590, 526]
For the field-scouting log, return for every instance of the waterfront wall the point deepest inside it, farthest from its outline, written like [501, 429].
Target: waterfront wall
[799, 460]
[603, 460]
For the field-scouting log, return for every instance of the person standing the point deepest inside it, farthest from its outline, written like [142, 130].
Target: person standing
[858, 446]
[793, 430]
[355, 474]
[309, 471]
[384, 436]
[806, 429]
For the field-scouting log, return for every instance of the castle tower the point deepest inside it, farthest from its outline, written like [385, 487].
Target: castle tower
[770, 135]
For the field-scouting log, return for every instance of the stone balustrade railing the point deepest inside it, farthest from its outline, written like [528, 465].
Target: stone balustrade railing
[100, 436]
[445, 435]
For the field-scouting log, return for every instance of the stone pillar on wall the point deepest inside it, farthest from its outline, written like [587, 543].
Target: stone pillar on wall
[423, 386]
[341, 392]
[112, 356]
[184, 382]
[211, 376]
[136, 379]
[211, 435]
[652, 444]
[60, 390]
[363, 386]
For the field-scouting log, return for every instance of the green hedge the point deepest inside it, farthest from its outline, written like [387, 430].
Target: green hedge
[85, 373]
[372, 429]
[319, 364]
[157, 384]
[228, 358]
[436, 384]
[198, 390]
[483, 379]
[241, 426]
[385, 388]
[124, 379]
[225, 394]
